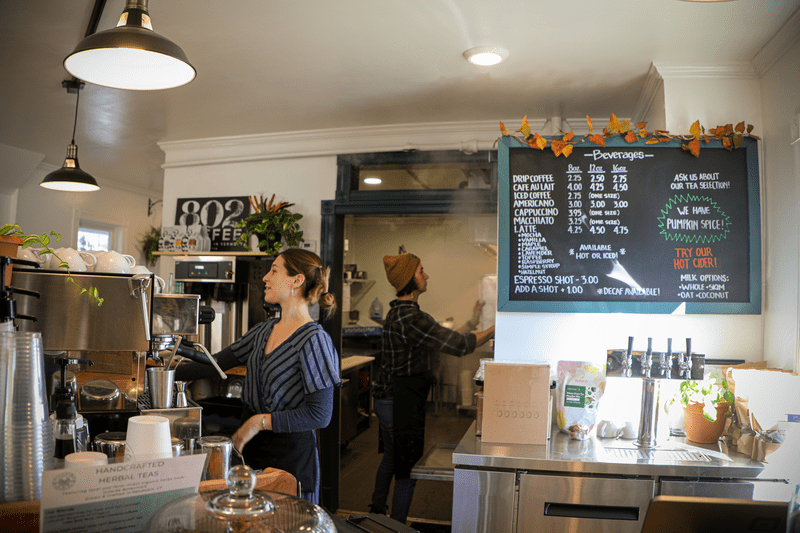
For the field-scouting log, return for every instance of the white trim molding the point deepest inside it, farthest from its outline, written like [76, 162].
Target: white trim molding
[737, 70]
[468, 137]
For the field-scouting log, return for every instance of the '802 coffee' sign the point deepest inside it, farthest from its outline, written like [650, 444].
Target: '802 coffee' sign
[218, 215]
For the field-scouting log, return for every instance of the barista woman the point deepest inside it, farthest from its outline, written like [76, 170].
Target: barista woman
[292, 368]
[410, 337]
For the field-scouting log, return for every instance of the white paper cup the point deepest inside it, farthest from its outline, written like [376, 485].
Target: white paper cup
[148, 437]
[84, 459]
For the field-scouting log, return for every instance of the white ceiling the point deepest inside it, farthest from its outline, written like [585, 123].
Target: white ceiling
[268, 66]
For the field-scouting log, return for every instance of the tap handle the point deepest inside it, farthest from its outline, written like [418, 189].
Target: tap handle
[628, 361]
[647, 360]
[666, 360]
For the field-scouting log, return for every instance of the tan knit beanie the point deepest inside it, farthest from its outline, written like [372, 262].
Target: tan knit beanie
[400, 269]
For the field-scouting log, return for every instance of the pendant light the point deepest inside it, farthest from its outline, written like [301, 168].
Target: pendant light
[130, 56]
[70, 177]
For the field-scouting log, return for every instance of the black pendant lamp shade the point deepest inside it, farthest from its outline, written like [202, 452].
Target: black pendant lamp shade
[130, 56]
[70, 177]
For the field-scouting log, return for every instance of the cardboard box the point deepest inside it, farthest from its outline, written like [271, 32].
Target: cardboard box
[516, 403]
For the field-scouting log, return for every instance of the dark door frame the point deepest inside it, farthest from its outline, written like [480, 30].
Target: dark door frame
[350, 201]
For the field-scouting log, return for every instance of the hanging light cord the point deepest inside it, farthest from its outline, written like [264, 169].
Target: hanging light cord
[75, 122]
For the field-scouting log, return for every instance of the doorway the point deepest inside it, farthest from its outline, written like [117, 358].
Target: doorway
[450, 185]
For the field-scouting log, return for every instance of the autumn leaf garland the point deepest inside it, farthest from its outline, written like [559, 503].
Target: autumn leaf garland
[730, 136]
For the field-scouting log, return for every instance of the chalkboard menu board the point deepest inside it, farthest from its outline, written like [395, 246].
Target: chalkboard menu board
[629, 228]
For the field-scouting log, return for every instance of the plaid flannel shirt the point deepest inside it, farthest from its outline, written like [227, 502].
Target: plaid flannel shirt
[410, 337]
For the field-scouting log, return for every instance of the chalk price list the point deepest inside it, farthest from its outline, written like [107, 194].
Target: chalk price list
[592, 203]
[595, 202]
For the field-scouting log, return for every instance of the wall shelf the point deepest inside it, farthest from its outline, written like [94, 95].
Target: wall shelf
[358, 288]
[239, 254]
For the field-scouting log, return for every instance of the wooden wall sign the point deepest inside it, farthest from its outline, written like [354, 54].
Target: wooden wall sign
[631, 228]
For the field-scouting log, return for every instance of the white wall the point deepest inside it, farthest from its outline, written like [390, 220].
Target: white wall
[8, 208]
[41, 210]
[304, 182]
[781, 102]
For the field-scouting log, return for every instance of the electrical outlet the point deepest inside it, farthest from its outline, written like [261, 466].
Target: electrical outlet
[311, 246]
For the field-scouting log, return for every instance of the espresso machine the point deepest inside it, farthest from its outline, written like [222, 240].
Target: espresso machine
[109, 348]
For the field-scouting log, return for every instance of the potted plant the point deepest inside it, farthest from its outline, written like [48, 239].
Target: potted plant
[272, 224]
[149, 244]
[12, 234]
[705, 406]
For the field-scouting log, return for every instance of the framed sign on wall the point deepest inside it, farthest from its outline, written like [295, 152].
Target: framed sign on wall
[629, 227]
[219, 215]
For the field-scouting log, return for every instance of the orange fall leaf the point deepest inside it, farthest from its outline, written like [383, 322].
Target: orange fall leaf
[567, 150]
[630, 137]
[598, 140]
[694, 131]
[525, 128]
[569, 136]
[589, 122]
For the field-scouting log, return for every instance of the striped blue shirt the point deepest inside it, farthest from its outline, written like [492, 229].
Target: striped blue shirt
[304, 363]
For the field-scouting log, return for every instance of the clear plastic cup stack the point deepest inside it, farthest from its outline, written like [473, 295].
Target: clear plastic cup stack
[27, 444]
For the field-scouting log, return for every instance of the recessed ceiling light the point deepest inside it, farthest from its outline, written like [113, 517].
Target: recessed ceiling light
[372, 181]
[486, 55]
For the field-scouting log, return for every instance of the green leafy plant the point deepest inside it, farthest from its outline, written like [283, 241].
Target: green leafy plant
[44, 240]
[709, 392]
[272, 224]
[149, 244]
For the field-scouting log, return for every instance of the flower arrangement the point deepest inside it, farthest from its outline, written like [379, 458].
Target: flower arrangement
[44, 240]
[272, 224]
[710, 393]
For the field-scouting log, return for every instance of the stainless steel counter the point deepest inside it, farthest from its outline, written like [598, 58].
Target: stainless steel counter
[673, 457]
[592, 486]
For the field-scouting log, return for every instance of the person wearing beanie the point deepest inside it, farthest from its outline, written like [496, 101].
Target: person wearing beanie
[410, 340]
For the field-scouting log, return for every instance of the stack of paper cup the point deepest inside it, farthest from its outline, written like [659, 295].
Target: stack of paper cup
[147, 437]
[84, 459]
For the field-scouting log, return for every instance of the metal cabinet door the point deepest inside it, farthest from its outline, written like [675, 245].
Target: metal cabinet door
[582, 504]
[483, 501]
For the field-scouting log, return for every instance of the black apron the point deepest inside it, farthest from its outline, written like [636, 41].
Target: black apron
[410, 394]
[295, 453]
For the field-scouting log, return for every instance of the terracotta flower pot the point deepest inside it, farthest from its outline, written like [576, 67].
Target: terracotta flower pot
[699, 428]
[8, 248]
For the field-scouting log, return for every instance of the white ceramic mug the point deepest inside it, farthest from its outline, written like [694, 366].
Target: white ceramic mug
[160, 283]
[628, 431]
[607, 429]
[76, 261]
[33, 254]
[115, 262]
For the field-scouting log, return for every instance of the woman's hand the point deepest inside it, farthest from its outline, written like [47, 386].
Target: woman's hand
[250, 428]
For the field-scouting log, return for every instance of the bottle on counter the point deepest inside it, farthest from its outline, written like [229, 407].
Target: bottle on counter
[66, 431]
[376, 309]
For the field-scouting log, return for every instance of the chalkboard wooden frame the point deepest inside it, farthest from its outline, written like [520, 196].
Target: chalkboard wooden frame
[504, 303]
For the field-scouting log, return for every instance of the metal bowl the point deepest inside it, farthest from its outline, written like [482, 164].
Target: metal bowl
[99, 394]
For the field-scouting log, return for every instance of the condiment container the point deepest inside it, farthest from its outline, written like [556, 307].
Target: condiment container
[240, 508]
